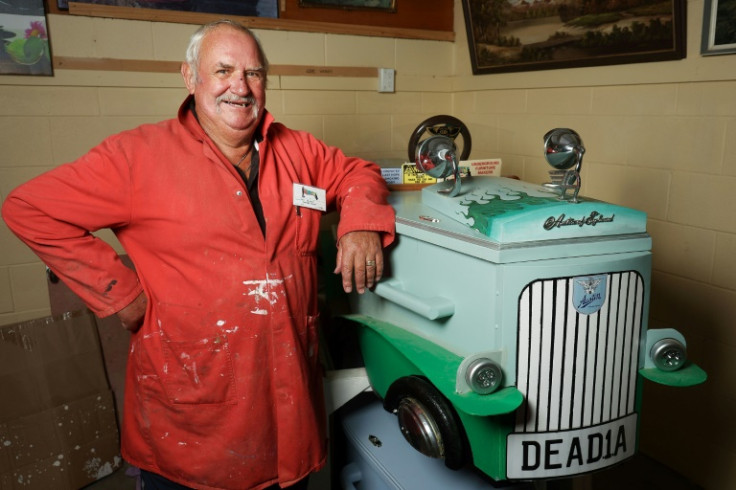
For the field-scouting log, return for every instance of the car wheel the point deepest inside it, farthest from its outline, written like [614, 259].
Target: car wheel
[427, 420]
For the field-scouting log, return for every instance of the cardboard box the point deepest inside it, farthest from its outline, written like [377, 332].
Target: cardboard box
[114, 339]
[57, 414]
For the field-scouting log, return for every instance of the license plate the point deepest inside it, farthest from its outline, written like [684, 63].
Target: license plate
[570, 452]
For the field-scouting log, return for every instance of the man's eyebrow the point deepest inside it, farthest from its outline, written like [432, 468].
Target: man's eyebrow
[228, 66]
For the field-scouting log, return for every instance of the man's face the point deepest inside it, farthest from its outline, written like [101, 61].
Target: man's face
[230, 89]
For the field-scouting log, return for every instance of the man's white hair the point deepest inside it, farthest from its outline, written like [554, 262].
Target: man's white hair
[195, 43]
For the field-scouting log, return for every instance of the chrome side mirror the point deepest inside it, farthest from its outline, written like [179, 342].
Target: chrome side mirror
[564, 150]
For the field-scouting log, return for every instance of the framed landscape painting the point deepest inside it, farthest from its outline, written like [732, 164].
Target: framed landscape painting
[520, 35]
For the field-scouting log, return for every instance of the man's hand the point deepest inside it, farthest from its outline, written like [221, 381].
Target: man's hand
[132, 315]
[359, 257]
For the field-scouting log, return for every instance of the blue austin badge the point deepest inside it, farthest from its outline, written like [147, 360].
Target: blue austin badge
[589, 293]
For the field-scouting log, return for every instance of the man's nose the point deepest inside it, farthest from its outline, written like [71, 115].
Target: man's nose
[240, 85]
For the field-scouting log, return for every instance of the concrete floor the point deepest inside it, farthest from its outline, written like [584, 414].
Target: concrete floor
[639, 473]
[124, 480]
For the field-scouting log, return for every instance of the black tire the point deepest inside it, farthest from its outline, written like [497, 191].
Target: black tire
[452, 437]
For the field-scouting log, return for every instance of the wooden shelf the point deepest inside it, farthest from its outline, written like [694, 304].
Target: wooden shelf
[154, 66]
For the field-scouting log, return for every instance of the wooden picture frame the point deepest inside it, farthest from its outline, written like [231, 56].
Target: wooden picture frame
[518, 35]
[719, 27]
[413, 19]
[250, 8]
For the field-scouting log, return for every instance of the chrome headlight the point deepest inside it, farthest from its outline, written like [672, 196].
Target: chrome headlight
[668, 354]
[484, 376]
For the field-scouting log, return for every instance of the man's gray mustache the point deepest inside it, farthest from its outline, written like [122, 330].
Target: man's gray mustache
[237, 100]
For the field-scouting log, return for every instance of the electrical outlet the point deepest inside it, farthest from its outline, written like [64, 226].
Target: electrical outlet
[386, 79]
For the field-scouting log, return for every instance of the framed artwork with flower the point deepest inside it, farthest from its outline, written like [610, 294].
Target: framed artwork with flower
[25, 42]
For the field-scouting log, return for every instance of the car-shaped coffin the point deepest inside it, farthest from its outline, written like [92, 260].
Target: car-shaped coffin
[510, 329]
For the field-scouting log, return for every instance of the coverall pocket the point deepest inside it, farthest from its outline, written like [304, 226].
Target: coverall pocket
[196, 368]
[198, 372]
[307, 230]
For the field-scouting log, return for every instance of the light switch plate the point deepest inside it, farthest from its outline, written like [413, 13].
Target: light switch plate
[386, 79]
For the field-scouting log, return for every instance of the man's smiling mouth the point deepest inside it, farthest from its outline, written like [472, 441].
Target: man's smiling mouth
[238, 102]
[249, 104]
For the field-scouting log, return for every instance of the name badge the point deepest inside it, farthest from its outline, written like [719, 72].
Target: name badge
[310, 197]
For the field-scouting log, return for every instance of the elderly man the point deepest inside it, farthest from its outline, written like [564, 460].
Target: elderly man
[219, 210]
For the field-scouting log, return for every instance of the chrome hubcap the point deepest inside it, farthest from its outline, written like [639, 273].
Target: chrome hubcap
[419, 428]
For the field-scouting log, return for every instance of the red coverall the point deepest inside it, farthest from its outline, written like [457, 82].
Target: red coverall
[223, 387]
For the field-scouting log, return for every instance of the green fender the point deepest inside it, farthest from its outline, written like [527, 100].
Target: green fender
[391, 352]
[689, 375]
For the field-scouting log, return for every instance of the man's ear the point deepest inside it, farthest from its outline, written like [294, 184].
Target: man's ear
[186, 73]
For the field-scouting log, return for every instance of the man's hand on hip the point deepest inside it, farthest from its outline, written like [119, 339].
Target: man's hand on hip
[132, 315]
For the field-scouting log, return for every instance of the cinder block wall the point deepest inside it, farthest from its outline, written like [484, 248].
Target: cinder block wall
[660, 137]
